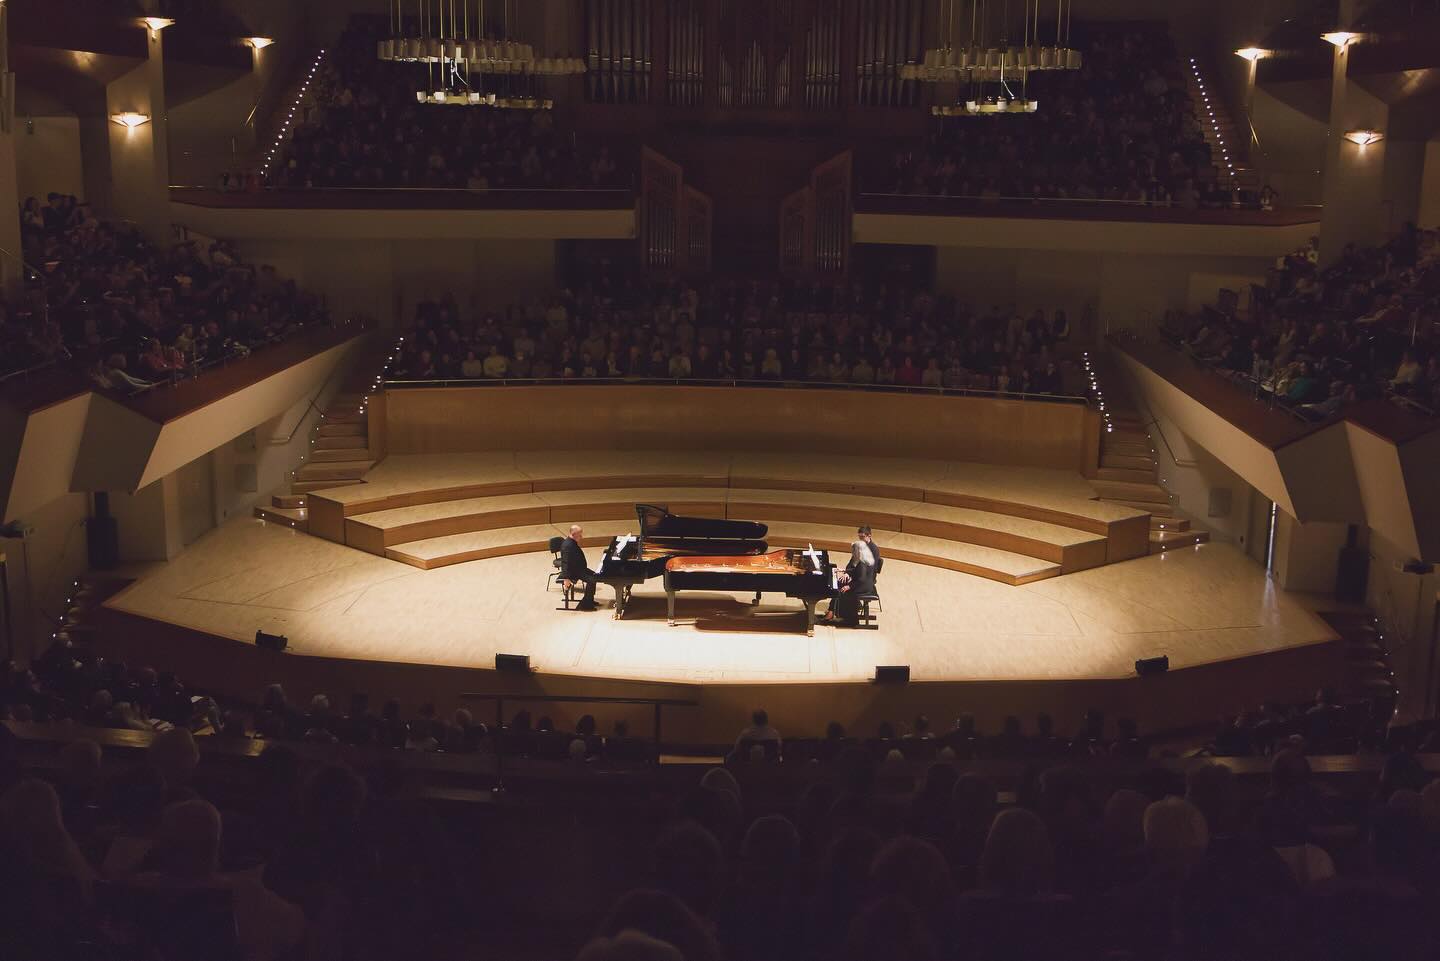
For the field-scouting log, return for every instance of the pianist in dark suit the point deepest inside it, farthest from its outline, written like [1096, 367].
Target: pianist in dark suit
[857, 579]
[573, 568]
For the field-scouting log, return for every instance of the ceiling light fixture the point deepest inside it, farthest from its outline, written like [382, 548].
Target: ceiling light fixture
[1364, 138]
[130, 119]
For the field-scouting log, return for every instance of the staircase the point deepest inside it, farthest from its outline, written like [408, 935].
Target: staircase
[339, 456]
[1128, 472]
[1229, 142]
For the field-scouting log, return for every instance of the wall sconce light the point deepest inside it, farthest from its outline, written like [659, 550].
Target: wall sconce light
[259, 43]
[130, 119]
[1252, 53]
[1340, 38]
[156, 24]
[1364, 138]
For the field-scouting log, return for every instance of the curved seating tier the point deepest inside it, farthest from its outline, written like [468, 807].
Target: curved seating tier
[1012, 525]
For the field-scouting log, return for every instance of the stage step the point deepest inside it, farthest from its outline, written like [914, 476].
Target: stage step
[1169, 540]
[355, 441]
[1003, 566]
[1076, 549]
[344, 470]
[1156, 509]
[288, 501]
[1125, 449]
[305, 487]
[323, 455]
[344, 417]
[1126, 474]
[1159, 523]
[1007, 567]
[290, 517]
[331, 428]
[1144, 493]
[1145, 462]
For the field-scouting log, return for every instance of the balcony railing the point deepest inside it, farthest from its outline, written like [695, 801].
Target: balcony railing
[408, 198]
[1043, 208]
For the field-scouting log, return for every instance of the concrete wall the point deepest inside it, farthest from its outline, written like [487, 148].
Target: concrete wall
[47, 153]
[1430, 187]
[41, 568]
[384, 279]
[1129, 290]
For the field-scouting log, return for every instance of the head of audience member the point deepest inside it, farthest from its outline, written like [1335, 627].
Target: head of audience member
[628, 945]
[1018, 859]
[1211, 788]
[187, 847]
[33, 836]
[916, 871]
[769, 856]
[174, 754]
[890, 928]
[690, 864]
[1124, 821]
[664, 917]
[1175, 837]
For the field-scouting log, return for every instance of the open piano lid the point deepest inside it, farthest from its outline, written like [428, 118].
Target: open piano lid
[658, 524]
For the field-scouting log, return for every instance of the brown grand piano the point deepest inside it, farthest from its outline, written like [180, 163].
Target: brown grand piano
[806, 575]
[634, 559]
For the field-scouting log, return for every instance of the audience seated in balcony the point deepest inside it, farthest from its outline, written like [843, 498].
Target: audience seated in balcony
[132, 312]
[748, 331]
[1319, 339]
[365, 128]
[1122, 128]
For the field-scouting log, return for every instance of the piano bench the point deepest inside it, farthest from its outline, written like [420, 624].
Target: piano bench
[567, 596]
[866, 619]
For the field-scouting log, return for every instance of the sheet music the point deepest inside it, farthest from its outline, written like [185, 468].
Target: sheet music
[617, 549]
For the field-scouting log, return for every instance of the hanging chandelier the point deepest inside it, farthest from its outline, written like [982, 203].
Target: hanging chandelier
[978, 54]
[459, 53]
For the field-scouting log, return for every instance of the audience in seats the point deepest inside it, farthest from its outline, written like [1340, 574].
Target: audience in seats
[1122, 128]
[760, 330]
[365, 128]
[132, 312]
[826, 847]
[1318, 339]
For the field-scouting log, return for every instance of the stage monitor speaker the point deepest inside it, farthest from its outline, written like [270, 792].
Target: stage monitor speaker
[271, 642]
[892, 674]
[1147, 666]
[513, 663]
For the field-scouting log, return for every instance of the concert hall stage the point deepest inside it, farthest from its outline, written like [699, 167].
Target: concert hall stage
[972, 644]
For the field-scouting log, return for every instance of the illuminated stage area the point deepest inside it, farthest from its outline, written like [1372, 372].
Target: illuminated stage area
[1198, 605]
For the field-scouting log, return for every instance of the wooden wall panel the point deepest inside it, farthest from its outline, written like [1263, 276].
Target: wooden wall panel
[619, 417]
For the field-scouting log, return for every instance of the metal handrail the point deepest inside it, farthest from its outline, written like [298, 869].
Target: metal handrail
[736, 382]
[270, 188]
[1097, 201]
[499, 698]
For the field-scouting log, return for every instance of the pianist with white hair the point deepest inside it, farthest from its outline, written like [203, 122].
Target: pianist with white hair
[858, 578]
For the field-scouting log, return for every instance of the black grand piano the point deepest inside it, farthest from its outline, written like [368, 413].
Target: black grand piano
[707, 554]
[634, 559]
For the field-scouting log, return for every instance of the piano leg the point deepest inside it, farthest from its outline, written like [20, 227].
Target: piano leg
[810, 617]
[620, 596]
[756, 602]
[670, 604]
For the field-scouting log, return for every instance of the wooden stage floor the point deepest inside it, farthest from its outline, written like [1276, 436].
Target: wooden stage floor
[1199, 606]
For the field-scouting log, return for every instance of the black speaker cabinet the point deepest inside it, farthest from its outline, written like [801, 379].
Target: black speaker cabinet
[513, 663]
[892, 674]
[271, 642]
[1147, 666]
